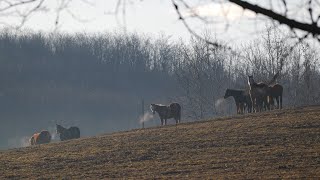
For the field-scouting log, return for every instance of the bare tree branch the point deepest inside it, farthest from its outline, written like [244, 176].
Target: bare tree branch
[215, 44]
[312, 28]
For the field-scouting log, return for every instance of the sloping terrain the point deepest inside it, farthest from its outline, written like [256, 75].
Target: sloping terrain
[277, 144]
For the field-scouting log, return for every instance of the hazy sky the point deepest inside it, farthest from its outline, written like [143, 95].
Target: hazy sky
[148, 16]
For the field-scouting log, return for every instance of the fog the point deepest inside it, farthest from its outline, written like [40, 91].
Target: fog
[73, 81]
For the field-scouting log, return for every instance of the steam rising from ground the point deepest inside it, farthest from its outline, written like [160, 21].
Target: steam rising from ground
[16, 142]
[221, 106]
[53, 132]
[219, 102]
[146, 117]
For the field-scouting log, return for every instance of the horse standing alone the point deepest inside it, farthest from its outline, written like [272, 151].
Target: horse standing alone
[167, 112]
[40, 138]
[66, 134]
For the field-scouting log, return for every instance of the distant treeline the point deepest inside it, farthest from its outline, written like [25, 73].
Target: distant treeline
[97, 81]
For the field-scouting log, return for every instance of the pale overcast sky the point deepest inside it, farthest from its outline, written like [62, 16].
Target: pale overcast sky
[142, 16]
[150, 17]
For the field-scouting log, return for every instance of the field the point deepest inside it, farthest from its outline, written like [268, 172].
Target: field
[276, 144]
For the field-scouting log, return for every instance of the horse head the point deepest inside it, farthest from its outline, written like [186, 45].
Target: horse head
[153, 108]
[59, 129]
[250, 80]
[227, 94]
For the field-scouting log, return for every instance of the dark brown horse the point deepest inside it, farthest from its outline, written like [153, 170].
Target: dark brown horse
[167, 112]
[275, 91]
[68, 133]
[40, 138]
[259, 94]
[241, 98]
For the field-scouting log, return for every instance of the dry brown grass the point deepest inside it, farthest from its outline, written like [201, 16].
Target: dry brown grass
[278, 144]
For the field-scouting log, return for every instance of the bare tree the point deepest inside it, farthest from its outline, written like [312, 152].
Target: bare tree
[203, 77]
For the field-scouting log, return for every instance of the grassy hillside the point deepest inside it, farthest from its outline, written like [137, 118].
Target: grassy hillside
[278, 144]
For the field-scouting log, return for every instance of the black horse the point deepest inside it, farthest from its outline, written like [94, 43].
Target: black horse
[66, 134]
[167, 112]
[241, 98]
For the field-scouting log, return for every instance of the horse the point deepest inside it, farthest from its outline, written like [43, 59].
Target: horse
[40, 138]
[167, 112]
[275, 91]
[68, 133]
[241, 98]
[259, 94]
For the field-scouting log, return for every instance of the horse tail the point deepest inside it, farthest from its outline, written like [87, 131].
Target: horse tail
[77, 133]
[179, 113]
[280, 101]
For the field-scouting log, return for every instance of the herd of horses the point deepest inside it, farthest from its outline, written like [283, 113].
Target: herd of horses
[259, 96]
[44, 136]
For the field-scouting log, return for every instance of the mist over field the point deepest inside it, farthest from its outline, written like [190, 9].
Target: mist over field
[98, 81]
[94, 82]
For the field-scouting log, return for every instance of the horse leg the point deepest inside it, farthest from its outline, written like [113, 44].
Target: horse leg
[281, 102]
[271, 102]
[254, 108]
[252, 104]
[263, 105]
[259, 104]
[267, 104]
[237, 105]
[242, 108]
[161, 122]
[277, 100]
[256, 105]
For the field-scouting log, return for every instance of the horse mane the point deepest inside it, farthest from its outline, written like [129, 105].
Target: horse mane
[159, 104]
[236, 89]
[58, 125]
